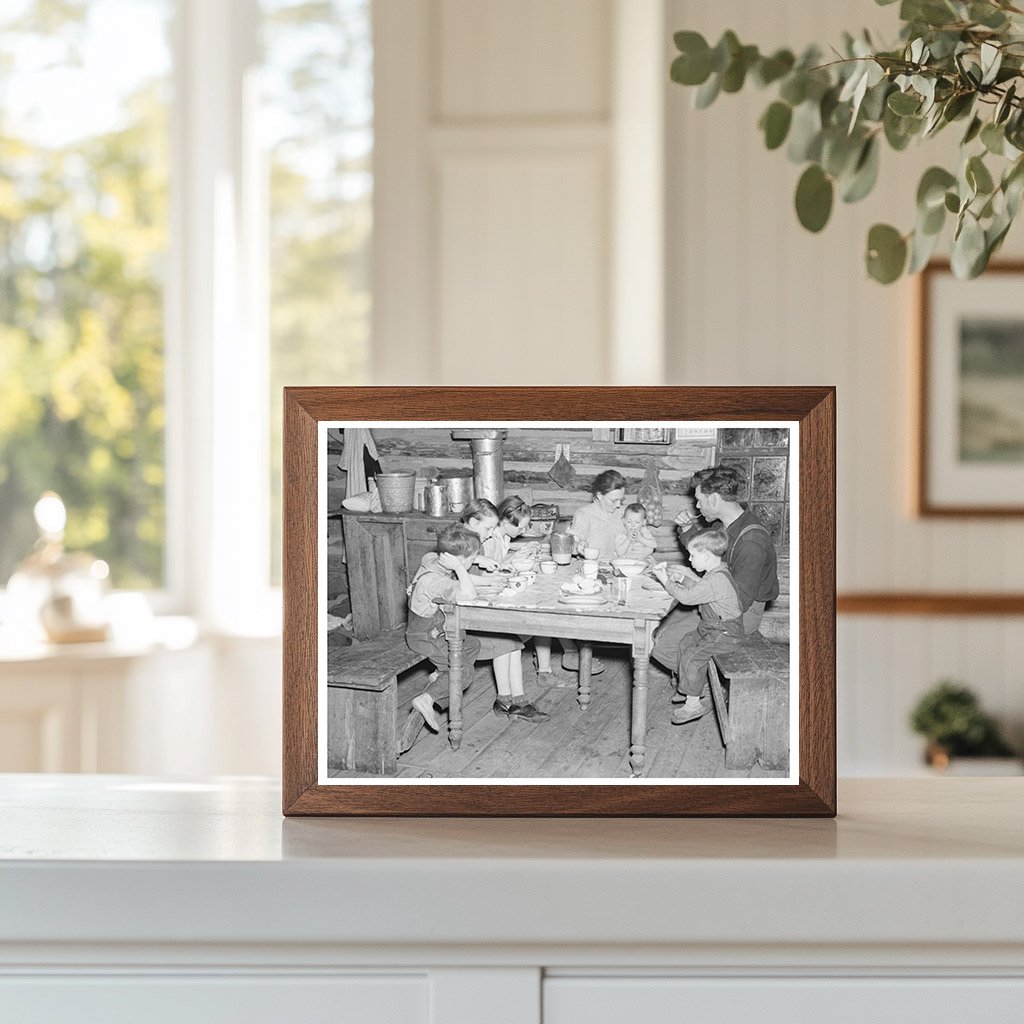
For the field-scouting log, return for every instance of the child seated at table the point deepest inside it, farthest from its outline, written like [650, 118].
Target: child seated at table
[442, 578]
[481, 517]
[637, 541]
[513, 522]
[721, 623]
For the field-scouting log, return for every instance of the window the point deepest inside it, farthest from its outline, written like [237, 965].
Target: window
[185, 220]
[83, 236]
[317, 121]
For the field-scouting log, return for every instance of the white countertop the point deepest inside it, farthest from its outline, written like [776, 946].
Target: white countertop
[123, 859]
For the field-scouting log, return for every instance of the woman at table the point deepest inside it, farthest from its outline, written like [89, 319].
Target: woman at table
[597, 525]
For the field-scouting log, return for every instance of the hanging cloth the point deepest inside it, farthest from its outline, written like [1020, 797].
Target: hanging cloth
[359, 459]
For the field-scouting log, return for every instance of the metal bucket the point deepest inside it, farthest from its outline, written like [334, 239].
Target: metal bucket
[458, 486]
[397, 491]
[434, 500]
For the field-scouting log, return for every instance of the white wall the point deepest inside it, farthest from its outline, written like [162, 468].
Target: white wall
[755, 299]
[513, 162]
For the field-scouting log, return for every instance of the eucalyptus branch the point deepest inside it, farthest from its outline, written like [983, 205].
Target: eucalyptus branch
[834, 116]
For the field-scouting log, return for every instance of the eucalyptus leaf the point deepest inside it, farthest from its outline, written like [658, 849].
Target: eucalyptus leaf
[735, 74]
[794, 88]
[1014, 191]
[922, 248]
[724, 51]
[993, 138]
[931, 190]
[873, 106]
[886, 253]
[1013, 187]
[958, 105]
[900, 130]
[693, 65]
[1005, 105]
[968, 247]
[978, 175]
[903, 103]
[775, 123]
[771, 69]
[814, 195]
[987, 15]
[973, 129]
[865, 174]
[805, 133]
[707, 93]
[932, 221]
[840, 152]
[991, 60]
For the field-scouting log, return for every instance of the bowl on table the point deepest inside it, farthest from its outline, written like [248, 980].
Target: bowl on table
[628, 567]
[523, 564]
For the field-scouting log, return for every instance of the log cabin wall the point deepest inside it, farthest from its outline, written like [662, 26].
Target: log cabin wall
[529, 454]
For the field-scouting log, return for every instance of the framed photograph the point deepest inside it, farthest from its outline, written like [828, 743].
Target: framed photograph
[476, 624]
[970, 445]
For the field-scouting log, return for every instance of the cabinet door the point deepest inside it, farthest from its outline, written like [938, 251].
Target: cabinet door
[377, 576]
[668, 1000]
[421, 535]
[205, 999]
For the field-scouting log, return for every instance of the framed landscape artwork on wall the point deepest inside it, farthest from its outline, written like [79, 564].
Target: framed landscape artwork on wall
[559, 601]
[970, 445]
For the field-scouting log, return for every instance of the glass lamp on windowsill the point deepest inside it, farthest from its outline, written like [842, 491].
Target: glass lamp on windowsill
[54, 595]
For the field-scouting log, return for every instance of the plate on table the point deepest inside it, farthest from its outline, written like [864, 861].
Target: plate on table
[583, 600]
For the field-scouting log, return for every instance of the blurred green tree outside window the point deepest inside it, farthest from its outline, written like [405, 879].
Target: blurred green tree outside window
[83, 237]
[317, 121]
[84, 194]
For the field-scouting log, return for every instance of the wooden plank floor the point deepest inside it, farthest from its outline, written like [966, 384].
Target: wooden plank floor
[572, 743]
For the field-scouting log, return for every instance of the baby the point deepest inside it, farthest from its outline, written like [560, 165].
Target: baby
[637, 541]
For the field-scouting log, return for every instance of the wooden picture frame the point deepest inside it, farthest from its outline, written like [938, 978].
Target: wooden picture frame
[969, 449]
[807, 418]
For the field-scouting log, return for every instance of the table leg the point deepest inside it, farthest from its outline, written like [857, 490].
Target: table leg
[638, 730]
[453, 634]
[586, 659]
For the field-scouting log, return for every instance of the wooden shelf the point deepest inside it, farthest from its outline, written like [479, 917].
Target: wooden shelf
[928, 603]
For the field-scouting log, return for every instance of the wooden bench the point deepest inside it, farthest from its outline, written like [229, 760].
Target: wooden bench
[362, 703]
[756, 725]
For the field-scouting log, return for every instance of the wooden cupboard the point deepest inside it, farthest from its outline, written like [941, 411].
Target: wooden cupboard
[383, 550]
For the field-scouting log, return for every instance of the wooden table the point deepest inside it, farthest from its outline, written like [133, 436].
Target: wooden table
[536, 611]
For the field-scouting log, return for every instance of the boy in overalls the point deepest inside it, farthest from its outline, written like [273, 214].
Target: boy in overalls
[721, 622]
[442, 578]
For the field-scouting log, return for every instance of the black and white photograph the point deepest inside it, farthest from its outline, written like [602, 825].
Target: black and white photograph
[572, 602]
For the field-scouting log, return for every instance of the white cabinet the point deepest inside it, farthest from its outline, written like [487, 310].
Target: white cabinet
[131, 898]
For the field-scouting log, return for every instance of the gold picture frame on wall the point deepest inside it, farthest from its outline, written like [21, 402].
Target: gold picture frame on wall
[796, 423]
[969, 448]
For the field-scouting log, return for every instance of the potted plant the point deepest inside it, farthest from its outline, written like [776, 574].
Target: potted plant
[955, 62]
[950, 717]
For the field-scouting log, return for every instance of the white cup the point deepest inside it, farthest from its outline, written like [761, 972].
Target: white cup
[591, 553]
[548, 567]
[590, 568]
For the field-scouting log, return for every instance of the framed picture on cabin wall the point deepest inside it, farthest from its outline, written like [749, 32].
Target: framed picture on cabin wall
[970, 444]
[496, 604]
